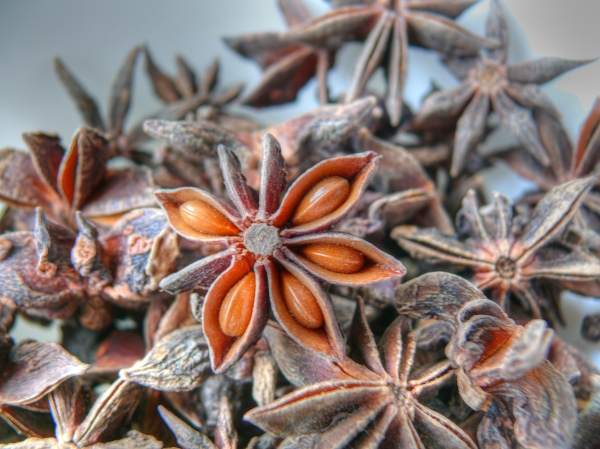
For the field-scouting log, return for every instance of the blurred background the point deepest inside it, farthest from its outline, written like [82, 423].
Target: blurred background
[93, 37]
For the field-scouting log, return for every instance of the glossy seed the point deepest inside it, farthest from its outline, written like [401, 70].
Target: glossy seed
[337, 258]
[300, 302]
[204, 218]
[237, 306]
[322, 199]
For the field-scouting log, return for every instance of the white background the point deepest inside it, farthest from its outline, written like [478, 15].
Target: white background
[93, 37]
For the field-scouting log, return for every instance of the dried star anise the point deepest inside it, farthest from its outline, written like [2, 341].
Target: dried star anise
[567, 162]
[305, 140]
[273, 251]
[374, 403]
[504, 256]
[63, 182]
[502, 367]
[511, 89]
[120, 141]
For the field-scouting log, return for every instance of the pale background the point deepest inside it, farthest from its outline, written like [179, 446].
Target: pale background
[93, 37]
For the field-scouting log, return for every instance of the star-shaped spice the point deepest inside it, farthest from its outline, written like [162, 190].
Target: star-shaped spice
[64, 182]
[275, 249]
[371, 404]
[567, 162]
[502, 368]
[511, 90]
[293, 57]
[113, 127]
[288, 64]
[504, 256]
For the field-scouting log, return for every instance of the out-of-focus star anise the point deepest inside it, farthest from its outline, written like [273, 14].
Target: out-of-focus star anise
[305, 140]
[374, 403]
[120, 141]
[511, 89]
[200, 91]
[274, 248]
[567, 162]
[288, 63]
[503, 255]
[63, 182]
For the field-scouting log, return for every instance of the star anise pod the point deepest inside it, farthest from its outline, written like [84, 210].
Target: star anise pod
[113, 128]
[411, 196]
[374, 403]
[37, 275]
[305, 140]
[504, 256]
[225, 434]
[398, 23]
[290, 64]
[511, 90]
[567, 162]
[30, 372]
[187, 85]
[274, 251]
[502, 367]
[63, 182]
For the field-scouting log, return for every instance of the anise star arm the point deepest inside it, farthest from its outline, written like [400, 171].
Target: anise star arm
[272, 177]
[305, 311]
[199, 216]
[235, 311]
[342, 259]
[550, 216]
[325, 194]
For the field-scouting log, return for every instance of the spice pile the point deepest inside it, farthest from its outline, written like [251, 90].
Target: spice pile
[335, 280]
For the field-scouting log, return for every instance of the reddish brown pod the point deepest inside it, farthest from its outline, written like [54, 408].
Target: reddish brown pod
[275, 251]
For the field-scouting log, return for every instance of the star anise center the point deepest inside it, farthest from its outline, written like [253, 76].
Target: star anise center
[506, 268]
[262, 239]
[489, 75]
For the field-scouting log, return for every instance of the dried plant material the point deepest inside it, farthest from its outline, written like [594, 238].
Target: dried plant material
[188, 438]
[289, 65]
[120, 141]
[386, 29]
[140, 250]
[586, 433]
[503, 369]
[567, 162]
[274, 250]
[36, 272]
[178, 362]
[305, 140]
[511, 90]
[62, 182]
[590, 327]
[504, 257]
[110, 410]
[187, 85]
[120, 350]
[362, 404]
[411, 194]
[35, 369]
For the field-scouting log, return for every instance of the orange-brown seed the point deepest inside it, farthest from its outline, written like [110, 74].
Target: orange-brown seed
[337, 258]
[300, 302]
[204, 218]
[322, 199]
[236, 310]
